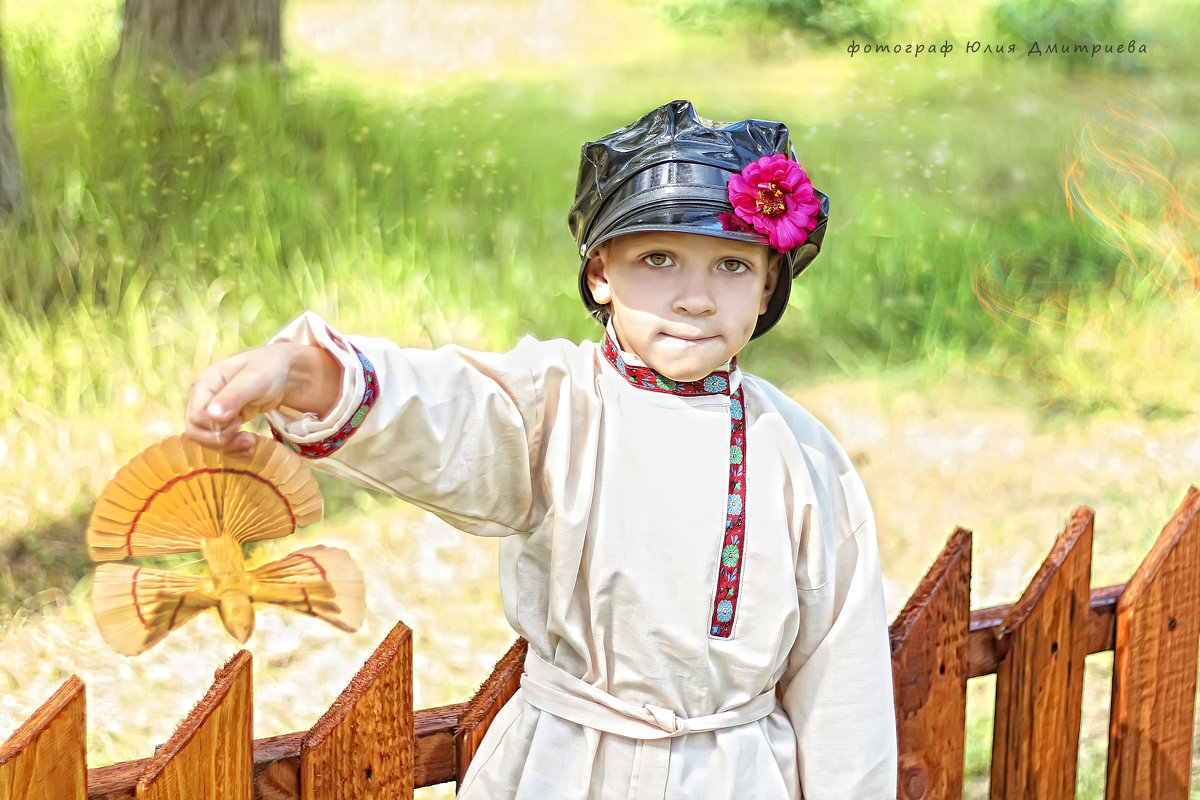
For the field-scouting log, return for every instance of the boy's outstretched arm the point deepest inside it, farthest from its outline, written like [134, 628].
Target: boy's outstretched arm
[284, 375]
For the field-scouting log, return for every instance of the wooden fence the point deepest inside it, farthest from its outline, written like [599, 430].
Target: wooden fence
[371, 744]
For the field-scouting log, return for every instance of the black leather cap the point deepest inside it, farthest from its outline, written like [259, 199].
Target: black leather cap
[669, 171]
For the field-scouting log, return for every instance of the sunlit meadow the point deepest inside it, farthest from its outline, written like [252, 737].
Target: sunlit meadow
[1002, 326]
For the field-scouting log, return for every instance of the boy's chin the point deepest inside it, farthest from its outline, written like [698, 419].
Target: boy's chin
[685, 362]
[686, 372]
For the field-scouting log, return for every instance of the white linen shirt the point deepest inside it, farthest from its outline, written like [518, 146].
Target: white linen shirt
[611, 503]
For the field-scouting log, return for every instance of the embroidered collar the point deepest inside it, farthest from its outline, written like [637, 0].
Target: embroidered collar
[717, 382]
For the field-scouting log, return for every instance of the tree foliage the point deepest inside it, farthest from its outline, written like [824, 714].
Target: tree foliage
[1072, 21]
[828, 20]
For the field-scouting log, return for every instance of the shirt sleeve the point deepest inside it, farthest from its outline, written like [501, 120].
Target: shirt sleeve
[451, 430]
[837, 685]
[839, 697]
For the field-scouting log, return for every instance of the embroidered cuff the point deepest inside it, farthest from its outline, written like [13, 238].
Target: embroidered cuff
[324, 447]
[313, 437]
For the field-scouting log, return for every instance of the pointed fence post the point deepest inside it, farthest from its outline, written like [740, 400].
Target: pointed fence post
[1039, 681]
[1154, 667]
[46, 757]
[929, 672]
[210, 754]
[363, 746]
[501, 685]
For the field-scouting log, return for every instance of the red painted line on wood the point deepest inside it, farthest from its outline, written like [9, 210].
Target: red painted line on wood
[316, 564]
[133, 591]
[204, 471]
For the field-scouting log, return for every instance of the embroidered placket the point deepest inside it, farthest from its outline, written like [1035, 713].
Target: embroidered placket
[729, 570]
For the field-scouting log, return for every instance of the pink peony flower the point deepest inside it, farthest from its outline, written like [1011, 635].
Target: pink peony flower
[775, 197]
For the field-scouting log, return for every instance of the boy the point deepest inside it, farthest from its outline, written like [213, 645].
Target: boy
[689, 554]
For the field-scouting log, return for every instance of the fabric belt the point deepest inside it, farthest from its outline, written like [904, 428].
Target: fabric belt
[554, 691]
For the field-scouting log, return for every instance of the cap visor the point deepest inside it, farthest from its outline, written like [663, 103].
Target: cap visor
[701, 219]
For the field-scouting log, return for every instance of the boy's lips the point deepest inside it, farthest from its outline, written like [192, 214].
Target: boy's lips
[687, 337]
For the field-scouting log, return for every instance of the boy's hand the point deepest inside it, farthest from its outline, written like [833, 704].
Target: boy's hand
[238, 389]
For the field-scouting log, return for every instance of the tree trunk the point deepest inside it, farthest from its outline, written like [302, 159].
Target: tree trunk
[196, 32]
[11, 184]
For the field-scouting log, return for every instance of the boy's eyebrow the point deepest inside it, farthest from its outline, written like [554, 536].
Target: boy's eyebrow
[661, 240]
[747, 254]
[647, 238]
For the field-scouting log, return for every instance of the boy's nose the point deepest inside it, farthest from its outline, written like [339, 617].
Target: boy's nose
[695, 295]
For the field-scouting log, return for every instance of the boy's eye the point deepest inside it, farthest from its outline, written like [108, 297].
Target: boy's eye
[658, 260]
[733, 265]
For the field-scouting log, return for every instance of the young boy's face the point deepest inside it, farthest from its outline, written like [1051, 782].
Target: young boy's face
[684, 303]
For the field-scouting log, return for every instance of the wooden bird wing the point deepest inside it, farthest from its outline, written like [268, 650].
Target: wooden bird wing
[318, 581]
[136, 607]
[175, 494]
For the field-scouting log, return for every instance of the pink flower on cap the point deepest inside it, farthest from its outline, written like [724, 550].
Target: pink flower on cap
[775, 196]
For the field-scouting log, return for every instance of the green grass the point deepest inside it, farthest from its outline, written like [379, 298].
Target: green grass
[249, 194]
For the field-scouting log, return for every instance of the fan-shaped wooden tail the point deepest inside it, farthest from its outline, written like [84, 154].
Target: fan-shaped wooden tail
[250, 513]
[136, 607]
[176, 493]
[318, 581]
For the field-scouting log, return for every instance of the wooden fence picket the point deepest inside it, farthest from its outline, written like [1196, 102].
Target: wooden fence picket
[1039, 681]
[363, 746]
[210, 754]
[46, 757]
[929, 672]
[1154, 667]
[479, 713]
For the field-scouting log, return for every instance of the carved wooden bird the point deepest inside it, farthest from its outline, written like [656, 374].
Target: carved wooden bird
[177, 497]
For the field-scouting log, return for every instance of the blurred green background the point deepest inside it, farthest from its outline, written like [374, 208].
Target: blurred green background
[1021, 227]
[1028, 220]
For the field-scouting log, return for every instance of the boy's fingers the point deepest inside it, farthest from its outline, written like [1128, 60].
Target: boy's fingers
[243, 397]
[198, 425]
[230, 439]
[227, 435]
[213, 417]
[237, 443]
[209, 433]
[210, 384]
[232, 392]
[243, 444]
[241, 387]
[199, 398]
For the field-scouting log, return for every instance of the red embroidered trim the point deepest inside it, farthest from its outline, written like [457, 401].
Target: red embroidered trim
[729, 571]
[329, 445]
[729, 574]
[646, 378]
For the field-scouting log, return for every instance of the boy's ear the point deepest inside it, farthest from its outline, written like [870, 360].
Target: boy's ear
[597, 280]
[774, 267]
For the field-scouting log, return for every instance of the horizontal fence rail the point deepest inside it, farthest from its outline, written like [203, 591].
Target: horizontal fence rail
[372, 744]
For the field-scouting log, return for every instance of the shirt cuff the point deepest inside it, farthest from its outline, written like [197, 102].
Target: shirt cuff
[316, 437]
